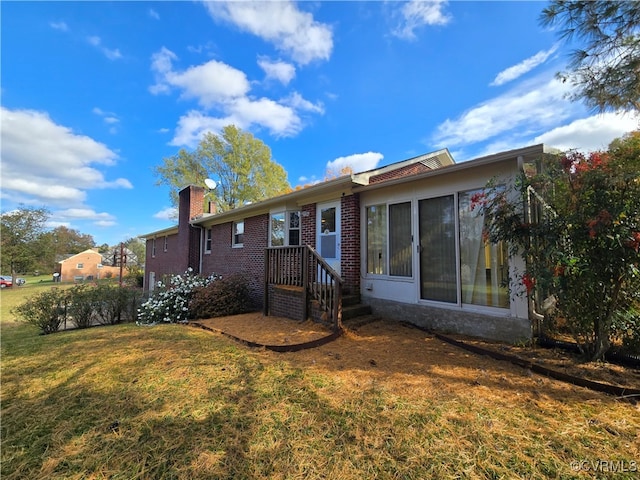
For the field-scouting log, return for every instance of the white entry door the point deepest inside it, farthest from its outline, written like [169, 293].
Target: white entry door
[328, 228]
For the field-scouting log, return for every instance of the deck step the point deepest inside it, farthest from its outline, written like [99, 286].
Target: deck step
[354, 311]
[357, 322]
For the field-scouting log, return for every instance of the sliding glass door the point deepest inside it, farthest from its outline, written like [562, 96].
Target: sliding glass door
[437, 224]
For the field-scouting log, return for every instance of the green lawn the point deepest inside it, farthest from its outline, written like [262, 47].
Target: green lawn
[174, 402]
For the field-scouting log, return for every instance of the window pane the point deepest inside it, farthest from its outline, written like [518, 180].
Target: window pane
[294, 219]
[294, 237]
[238, 233]
[483, 266]
[208, 242]
[377, 239]
[328, 220]
[438, 250]
[400, 239]
[277, 230]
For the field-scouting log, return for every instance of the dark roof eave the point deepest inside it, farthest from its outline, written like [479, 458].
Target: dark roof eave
[265, 205]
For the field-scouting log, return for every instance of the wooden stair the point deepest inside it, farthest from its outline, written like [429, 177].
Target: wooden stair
[354, 313]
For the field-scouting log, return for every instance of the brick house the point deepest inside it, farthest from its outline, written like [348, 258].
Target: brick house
[85, 266]
[401, 238]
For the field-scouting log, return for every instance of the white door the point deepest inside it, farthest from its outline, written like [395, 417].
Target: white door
[328, 228]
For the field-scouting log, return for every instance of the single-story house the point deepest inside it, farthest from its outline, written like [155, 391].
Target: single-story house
[84, 266]
[403, 238]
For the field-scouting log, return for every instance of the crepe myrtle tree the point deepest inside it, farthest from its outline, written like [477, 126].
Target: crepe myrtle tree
[577, 222]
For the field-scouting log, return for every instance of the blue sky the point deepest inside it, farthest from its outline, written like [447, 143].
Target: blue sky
[96, 94]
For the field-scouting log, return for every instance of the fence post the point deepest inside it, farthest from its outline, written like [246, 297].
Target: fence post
[265, 311]
[305, 282]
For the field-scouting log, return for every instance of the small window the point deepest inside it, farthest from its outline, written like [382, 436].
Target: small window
[166, 243]
[153, 248]
[207, 242]
[238, 234]
[80, 266]
[294, 228]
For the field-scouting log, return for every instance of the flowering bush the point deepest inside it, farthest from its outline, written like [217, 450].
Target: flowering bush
[580, 235]
[171, 301]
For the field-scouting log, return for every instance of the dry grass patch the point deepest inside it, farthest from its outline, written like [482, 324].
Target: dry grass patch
[176, 402]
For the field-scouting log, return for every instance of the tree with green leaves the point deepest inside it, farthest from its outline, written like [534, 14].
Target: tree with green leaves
[605, 69]
[59, 241]
[20, 232]
[240, 164]
[580, 236]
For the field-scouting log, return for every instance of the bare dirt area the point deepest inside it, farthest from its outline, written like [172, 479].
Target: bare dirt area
[403, 356]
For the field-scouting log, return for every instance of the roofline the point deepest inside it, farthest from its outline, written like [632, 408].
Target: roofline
[264, 205]
[159, 233]
[532, 150]
[366, 175]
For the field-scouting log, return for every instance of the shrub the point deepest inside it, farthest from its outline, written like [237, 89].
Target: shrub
[115, 304]
[47, 310]
[171, 301]
[583, 246]
[224, 296]
[82, 300]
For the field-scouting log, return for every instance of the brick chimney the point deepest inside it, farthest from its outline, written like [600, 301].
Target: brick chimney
[191, 205]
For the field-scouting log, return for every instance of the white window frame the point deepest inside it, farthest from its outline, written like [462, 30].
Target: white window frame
[153, 247]
[235, 234]
[287, 227]
[165, 247]
[208, 240]
[79, 266]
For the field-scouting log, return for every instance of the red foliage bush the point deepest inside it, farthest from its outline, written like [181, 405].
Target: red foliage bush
[223, 296]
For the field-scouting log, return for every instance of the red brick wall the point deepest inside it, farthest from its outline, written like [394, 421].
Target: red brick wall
[164, 263]
[401, 172]
[286, 302]
[350, 240]
[308, 221]
[247, 260]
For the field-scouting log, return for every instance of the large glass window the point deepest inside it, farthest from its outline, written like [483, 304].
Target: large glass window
[277, 229]
[438, 249]
[483, 266]
[377, 239]
[400, 240]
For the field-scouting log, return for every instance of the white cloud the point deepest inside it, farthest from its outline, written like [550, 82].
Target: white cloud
[292, 31]
[529, 108]
[225, 90]
[592, 133]
[296, 101]
[516, 71]
[417, 13]
[359, 162]
[154, 14]
[111, 54]
[169, 213]
[70, 215]
[277, 70]
[43, 162]
[192, 126]
[211, 83]
[62, 26]
[109, 118]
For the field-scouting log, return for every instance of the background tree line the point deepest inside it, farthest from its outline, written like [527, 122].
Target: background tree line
[28, 246]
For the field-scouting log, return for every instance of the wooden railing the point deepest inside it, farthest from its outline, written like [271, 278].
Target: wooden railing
[304, 267]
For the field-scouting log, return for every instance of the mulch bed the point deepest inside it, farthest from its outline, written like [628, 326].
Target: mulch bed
[405, 349]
